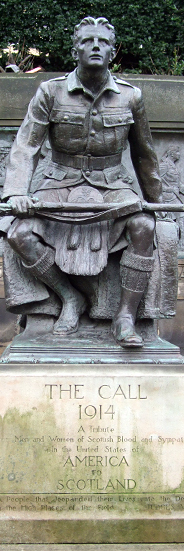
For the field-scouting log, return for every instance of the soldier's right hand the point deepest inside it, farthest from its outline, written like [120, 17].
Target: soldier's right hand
[21, 204]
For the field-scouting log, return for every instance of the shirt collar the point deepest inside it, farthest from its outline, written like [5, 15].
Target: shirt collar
[74, 83]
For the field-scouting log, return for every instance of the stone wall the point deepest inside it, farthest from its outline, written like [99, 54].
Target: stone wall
[164, 100]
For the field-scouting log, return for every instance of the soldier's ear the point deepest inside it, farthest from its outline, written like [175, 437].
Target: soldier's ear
[112, 54]
[74, 54]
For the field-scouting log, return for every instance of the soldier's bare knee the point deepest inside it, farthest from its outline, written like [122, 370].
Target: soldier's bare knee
[142, 224]
[140, 233]
[20, 234]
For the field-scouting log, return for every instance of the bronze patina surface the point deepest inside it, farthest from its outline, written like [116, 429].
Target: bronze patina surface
[59, 265]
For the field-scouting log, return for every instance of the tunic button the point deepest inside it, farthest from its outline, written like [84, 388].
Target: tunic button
[50, 172]
[87, 172]
[120, 119]
[94, 112]
[66, 117]
[92, 132]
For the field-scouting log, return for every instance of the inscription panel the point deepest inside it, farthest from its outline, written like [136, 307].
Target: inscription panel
[91, 442]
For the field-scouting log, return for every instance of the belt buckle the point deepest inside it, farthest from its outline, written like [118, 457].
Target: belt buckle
[86, 162]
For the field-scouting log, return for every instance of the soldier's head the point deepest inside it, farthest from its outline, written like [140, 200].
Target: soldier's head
[93, 43]
[172, 153]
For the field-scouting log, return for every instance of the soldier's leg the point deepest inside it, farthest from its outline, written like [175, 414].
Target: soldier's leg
[136, 266]
[39, 259]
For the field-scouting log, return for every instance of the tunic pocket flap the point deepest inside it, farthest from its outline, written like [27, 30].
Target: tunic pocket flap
[66, 117]
[117, 119]
[54, 172]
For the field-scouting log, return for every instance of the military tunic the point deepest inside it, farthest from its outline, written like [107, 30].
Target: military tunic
[87, 134]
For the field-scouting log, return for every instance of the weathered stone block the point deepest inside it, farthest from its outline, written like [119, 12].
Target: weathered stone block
[91, 454]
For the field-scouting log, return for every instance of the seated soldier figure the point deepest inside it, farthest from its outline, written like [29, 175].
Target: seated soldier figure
[90, 116]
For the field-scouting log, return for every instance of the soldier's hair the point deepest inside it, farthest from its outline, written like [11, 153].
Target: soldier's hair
[92, 21]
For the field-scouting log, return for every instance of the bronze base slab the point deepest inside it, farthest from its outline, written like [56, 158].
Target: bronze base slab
[88, 346]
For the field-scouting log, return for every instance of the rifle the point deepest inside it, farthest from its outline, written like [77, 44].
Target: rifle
[95, 211]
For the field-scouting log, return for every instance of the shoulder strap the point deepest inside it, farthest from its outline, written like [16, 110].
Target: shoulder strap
[120, 81]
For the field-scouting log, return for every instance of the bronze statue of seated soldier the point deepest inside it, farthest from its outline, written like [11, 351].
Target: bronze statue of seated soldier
[56, 262]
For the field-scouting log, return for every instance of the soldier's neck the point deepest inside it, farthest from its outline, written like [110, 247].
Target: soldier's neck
[93, 80]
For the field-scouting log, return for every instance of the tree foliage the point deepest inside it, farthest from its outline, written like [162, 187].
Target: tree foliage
[150, 33]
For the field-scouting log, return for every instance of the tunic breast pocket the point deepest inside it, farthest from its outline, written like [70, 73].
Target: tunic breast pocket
[116, 129]
[70, 125]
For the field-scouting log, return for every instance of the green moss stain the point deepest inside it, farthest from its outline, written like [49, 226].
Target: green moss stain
[28, 460]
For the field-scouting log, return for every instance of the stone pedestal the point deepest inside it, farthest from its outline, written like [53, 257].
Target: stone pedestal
[91, 454]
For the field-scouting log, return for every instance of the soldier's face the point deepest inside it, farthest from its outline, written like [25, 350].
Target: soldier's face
[94, 47]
